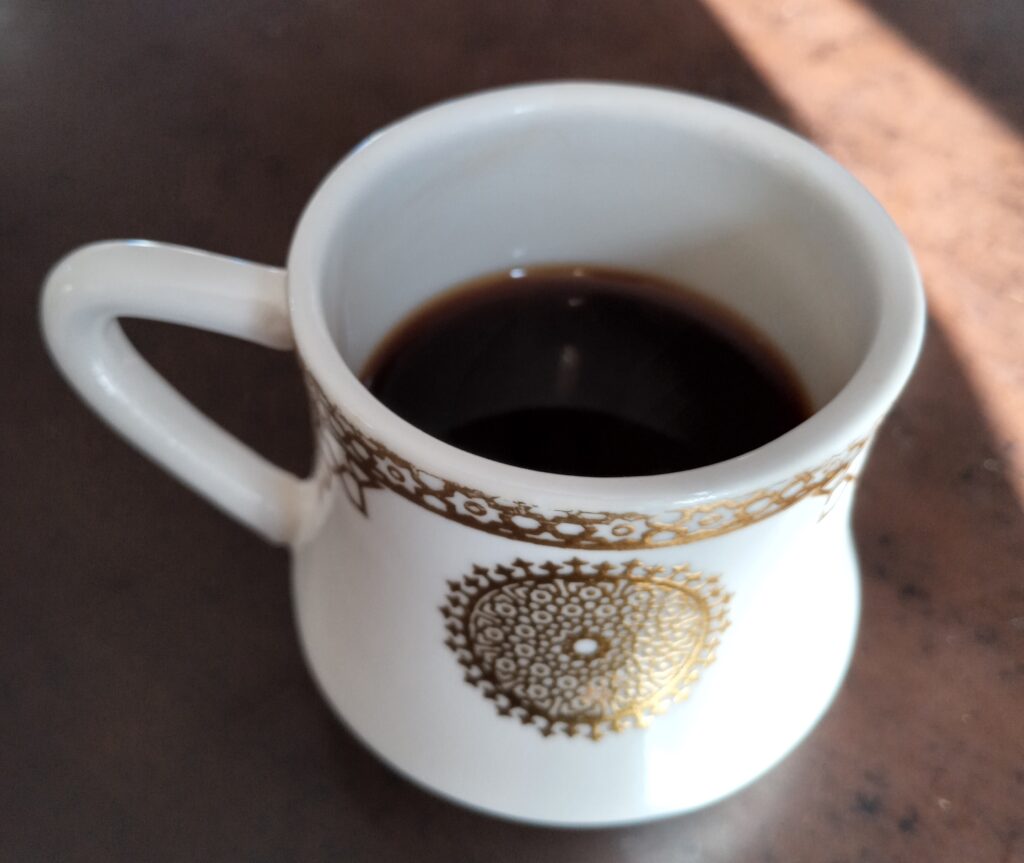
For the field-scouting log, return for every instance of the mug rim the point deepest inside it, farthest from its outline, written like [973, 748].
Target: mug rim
[850, 416]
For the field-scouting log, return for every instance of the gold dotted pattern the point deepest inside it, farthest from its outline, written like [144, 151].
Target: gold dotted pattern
[584, 649]
[363, 464]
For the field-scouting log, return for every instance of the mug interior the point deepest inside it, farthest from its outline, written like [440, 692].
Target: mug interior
[618, 177]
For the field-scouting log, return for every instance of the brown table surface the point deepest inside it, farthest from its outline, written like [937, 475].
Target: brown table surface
[153, 702]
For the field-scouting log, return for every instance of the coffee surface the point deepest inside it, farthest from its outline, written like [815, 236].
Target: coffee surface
[586, 372]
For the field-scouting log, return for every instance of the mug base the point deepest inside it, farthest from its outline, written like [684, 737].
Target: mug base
[734, 728]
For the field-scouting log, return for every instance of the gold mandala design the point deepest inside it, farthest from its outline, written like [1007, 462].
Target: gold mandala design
[363, 464]
[576, 648]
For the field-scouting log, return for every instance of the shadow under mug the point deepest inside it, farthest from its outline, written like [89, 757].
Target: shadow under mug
[557, 649]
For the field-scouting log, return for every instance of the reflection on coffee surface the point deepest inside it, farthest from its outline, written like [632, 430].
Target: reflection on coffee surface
[587, 372]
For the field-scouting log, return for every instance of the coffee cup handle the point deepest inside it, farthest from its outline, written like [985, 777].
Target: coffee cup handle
[92, 287]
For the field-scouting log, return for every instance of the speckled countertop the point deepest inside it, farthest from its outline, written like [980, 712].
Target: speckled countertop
[153, 702]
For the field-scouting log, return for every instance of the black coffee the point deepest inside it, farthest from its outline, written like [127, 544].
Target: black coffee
[586, 372]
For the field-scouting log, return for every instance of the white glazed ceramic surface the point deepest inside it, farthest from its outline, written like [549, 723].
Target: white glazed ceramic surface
[557, 649]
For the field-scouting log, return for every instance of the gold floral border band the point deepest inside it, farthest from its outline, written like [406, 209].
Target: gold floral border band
[363, 464]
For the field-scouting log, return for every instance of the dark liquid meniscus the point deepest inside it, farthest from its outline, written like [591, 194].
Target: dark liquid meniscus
[586, 372]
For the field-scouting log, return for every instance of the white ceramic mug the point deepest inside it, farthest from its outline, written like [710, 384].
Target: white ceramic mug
[551, 648]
